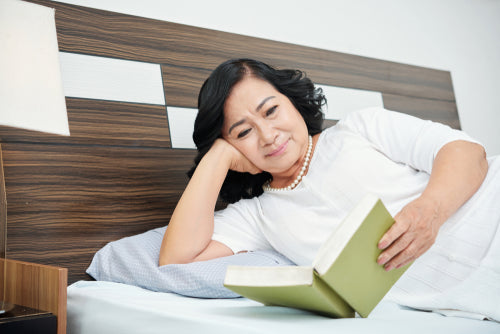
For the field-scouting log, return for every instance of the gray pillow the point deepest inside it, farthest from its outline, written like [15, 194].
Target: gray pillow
[134, 261]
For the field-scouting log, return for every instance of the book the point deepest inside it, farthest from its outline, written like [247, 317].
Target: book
[344, 278]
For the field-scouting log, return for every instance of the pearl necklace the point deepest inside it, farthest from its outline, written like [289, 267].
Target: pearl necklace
[267, 185]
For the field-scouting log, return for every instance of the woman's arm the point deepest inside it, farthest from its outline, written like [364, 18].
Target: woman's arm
[188, 237]
[457, 173]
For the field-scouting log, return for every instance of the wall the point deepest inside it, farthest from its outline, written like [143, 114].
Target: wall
[460, 36]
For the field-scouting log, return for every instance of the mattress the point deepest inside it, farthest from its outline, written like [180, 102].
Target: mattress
[106, 307]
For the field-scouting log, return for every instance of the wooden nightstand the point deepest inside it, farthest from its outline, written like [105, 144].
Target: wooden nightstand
[33, 288]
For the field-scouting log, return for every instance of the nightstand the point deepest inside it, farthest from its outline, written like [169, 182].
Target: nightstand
[32, 288]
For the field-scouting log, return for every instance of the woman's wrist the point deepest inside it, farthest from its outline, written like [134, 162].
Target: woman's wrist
[221, 154]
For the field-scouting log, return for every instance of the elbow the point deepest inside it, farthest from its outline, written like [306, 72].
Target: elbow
[479, 164]
[482, 162]
[484, 169]
[165, 259]
[171, 252]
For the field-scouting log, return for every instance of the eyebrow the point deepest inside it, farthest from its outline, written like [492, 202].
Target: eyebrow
[261, 104]
[235, 125]
[264, 102]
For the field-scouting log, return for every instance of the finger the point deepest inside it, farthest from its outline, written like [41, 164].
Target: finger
[395, 248]
[396, 231]
[404, 257]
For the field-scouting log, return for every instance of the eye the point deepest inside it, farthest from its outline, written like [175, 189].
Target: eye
[271, 110]
[243, 133]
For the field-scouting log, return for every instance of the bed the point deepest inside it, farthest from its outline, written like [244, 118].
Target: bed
[143, 311]
[131, 85]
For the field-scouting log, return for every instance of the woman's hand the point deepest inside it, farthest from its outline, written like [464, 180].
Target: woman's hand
[457, 172]
[237, 161]
[413, 233]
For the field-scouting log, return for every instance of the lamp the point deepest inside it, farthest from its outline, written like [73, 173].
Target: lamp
[31, 94]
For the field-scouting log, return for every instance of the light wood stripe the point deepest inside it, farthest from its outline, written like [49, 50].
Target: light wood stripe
[181, 121]
[342, 101]
[111, 79]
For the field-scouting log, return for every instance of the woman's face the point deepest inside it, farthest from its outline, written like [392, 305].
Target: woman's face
[265, 127]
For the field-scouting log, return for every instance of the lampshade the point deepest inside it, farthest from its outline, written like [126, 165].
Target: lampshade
[31, 93]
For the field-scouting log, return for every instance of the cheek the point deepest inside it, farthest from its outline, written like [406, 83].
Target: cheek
[292, 117]
[249, 149]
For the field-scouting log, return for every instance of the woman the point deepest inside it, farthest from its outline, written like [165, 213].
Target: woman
[258, 133]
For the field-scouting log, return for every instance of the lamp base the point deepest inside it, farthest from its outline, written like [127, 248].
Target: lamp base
[5, 307]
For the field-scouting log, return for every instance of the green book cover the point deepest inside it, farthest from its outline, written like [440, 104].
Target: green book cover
[297, 287]
[344, 277]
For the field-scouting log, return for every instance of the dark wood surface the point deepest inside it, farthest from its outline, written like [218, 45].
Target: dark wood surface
[104, 123]
[117, 174]
[436, 110]
[3, 212]
[19, 311]
[65, 202]
[182, 85]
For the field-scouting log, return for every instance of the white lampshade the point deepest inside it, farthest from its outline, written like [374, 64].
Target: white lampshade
[31, 93]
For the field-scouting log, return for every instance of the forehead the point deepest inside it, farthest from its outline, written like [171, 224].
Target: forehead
[247, 95]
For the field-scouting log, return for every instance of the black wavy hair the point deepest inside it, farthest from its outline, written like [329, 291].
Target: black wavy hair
[294, 84]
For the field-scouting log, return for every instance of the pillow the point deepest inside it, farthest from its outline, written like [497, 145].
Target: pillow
[134, 261]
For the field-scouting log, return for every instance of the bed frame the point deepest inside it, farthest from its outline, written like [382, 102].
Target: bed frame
[118, 175]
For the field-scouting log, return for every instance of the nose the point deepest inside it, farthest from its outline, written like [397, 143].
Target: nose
[267, 133]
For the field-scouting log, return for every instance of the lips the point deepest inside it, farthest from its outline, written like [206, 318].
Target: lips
[279, 150]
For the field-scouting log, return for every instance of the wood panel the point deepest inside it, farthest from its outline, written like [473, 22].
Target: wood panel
[95, 122]
[97, 32]
[3, 213]
[65, 202]
[436, 110]
[182, 85]
[36, 286]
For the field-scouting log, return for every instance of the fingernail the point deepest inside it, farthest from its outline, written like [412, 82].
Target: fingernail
[382, 244]
[388, 268]
[381, 260]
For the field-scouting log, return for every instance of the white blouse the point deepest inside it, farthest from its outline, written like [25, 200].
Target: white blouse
[376, 151]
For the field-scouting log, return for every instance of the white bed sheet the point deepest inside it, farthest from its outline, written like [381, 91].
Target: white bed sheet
[106, 307]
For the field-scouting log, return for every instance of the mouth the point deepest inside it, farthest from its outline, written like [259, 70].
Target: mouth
[278, 151]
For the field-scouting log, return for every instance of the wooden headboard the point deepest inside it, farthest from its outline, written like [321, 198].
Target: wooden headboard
[118, 174]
